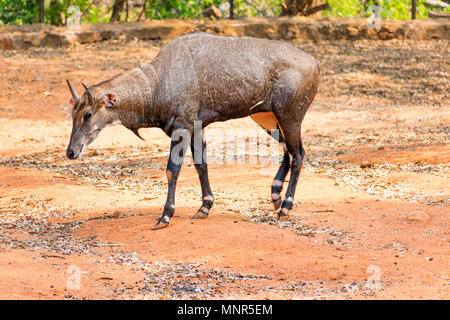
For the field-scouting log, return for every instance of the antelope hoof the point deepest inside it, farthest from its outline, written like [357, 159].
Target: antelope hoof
[276, 199]
[200, 215]
[277, 203]
[283, 215]
[160, 225]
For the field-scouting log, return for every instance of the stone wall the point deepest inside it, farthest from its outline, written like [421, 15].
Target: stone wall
[285, 28]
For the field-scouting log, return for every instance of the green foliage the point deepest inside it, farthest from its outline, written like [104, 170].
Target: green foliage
[343, 8]
[53, 14]
[168, 9]
[399, 9]
[390, 9]
[19, 11]
[252, 8]
[91, 11]
[27, 11]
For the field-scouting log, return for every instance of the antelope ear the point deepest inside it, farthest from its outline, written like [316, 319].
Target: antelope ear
[71, 101]
[108, 100]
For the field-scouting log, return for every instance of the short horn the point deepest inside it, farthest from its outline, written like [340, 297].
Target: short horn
[87, 89]
[72, 91]
[90, 96]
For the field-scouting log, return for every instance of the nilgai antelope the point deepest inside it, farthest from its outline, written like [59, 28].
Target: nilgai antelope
[206, 78]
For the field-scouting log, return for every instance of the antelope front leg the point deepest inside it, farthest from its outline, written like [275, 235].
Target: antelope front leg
[198, 147]
[179, 143]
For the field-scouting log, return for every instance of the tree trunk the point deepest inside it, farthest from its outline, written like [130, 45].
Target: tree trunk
[41, 11]
[315, 9]
[117, 9]
[302, 7]
[143, 10]
[293, 7]
[231, 9]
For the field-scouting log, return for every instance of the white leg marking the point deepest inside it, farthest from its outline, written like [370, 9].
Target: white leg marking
[277, 183]
[275, 196]
[209, 198]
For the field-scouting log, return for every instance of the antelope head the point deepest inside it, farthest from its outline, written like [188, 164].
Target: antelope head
[90, 115]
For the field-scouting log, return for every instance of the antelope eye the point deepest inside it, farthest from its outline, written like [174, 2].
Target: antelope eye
[87, 115]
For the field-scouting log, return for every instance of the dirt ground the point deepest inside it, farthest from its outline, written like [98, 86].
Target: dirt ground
[371, 214]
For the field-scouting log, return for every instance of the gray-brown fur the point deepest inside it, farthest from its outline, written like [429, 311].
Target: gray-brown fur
[208, 78]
